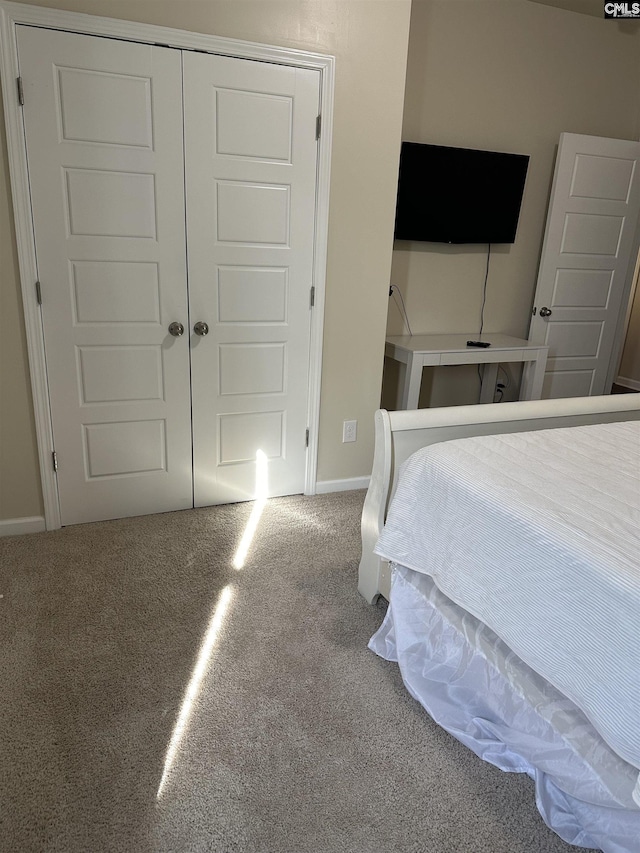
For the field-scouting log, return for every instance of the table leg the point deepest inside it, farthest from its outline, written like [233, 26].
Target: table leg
[412, 380]
[489, 379]
[402, 381]
[533, 377]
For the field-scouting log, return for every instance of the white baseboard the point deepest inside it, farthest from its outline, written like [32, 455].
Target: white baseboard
[627, 383]
[325, 486]
[15, 526]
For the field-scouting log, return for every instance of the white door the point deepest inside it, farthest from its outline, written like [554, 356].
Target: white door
[250, 155]
[104, 130]
[588, 241]
[103, 123]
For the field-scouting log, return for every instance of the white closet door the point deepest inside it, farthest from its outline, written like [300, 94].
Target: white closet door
[250, 155]
[103, 125]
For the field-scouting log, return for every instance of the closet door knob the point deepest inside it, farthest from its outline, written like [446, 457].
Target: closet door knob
[201, 329]
[176, 329]
[545, 312]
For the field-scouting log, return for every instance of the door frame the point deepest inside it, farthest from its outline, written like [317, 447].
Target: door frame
[14, 14]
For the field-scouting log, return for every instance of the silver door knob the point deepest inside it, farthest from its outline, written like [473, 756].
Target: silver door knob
[176, 329]
[201, 329]
[545, 312]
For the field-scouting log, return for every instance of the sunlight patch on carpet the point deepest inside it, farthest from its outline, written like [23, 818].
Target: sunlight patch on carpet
[262, 489]
[193, 688]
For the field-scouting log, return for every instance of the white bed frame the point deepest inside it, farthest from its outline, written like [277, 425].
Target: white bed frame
[399, 434]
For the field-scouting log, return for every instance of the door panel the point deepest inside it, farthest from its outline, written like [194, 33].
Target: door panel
[585, 258]
[103, 124]
[250, 155]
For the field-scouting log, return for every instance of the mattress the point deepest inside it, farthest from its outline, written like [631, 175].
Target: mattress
[538, 535]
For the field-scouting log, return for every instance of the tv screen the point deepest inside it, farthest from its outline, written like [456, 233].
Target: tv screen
[458, 195]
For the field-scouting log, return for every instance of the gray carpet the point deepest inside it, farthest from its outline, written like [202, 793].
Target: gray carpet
[299, 740]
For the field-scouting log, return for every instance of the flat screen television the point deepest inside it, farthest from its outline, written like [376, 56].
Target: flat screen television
[458, 195]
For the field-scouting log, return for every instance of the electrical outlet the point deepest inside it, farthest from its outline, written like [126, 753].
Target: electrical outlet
[349, 430]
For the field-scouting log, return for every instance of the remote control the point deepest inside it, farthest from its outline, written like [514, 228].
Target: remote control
[482, 344]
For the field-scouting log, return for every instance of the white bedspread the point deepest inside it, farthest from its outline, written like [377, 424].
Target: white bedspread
[538, 535]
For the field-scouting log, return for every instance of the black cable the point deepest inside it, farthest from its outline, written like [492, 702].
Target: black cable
[395, 289]
[484, 299]
[507, 376]
[484, 290]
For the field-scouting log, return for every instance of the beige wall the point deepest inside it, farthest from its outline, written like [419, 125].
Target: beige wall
[19, 472]
[369, 40]
[506, 75]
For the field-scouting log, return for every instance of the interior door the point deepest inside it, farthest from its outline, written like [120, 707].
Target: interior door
[250, 158]
[103, 123]
[589, 239]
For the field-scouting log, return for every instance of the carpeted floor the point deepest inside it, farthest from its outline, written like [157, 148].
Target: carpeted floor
[293, 738]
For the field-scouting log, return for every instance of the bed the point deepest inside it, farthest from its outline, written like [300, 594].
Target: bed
[505, 538]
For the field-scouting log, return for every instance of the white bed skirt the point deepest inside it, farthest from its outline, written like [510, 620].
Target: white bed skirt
[477, 689]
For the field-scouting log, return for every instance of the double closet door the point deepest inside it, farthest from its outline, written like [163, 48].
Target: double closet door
[173, 197]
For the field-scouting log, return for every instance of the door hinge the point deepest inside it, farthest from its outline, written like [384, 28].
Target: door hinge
[318, 126]
[20, 91]
[38, 293]
[306, 437]
[312, 299]
[54, 458]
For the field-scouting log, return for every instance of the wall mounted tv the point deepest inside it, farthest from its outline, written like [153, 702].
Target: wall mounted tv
[458, 195]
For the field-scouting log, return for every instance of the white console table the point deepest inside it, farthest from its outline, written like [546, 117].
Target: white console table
[417, 351]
